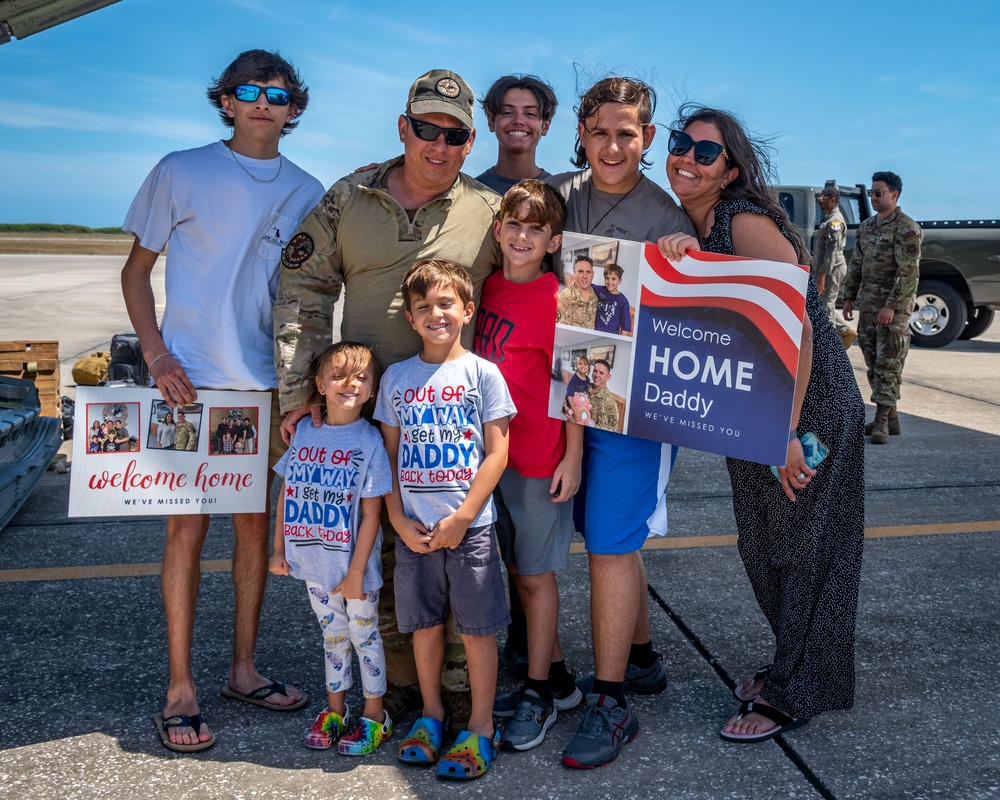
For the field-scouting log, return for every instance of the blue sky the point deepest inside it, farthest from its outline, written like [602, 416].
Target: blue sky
[92, 105]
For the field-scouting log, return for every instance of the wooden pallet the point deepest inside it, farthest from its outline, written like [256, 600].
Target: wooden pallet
[38, 362]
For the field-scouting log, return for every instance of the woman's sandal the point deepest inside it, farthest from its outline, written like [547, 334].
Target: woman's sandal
[782, 724]
[750, 680]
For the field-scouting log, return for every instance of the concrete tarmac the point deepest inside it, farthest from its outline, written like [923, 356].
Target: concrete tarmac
[83, 656]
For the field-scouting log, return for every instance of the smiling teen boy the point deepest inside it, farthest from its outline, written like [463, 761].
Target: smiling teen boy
[444, 415]
[535, 522]
[519, 110]
[611, 197]
[226, 211]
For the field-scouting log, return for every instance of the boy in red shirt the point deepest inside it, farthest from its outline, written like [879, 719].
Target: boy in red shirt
[515, 331]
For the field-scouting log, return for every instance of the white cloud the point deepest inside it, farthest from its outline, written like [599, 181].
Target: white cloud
[56, 117]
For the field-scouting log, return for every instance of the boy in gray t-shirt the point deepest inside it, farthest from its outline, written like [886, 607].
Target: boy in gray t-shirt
[444, 416]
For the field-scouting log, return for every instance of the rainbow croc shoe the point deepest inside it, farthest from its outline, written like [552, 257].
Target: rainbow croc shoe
[422, 744]
[364, 737]
[327, 728]
[470, 757]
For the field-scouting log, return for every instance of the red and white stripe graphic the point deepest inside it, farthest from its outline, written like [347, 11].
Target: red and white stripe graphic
[770, 294]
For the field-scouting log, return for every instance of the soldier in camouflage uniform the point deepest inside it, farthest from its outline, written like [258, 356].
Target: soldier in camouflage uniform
[604, 409]
[577, 305]
[882, 280]
[362, 236]
[829, 266]
[185, 437]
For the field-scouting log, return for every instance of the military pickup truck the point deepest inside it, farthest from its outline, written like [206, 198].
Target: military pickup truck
[959, 288]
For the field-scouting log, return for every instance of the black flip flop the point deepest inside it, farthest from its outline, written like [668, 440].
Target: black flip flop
[194, 722]
[783, 724]
[258, 697]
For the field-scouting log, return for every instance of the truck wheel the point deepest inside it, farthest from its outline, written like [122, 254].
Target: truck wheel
[938, 316]
[978, 323]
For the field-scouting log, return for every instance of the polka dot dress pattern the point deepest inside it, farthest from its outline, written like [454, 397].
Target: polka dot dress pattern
[803, 559]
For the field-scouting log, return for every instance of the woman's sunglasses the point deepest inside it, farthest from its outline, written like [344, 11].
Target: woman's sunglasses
[430, 133]
[249, 93]
[705, 151]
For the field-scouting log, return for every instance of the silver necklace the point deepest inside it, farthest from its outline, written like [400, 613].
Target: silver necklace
[281, 160]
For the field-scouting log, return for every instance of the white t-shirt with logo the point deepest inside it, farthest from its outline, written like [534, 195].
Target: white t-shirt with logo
[225, 232]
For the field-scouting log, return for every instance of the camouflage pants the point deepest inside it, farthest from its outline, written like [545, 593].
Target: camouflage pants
[834, 280]
[885, 348]
[401, 670]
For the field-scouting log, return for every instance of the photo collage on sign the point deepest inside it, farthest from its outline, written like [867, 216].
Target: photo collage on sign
[586, 385]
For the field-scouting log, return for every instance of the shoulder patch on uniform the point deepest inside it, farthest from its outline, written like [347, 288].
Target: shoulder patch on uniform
[911, 233]
[912, 250]
[837, 225]
[297, 251]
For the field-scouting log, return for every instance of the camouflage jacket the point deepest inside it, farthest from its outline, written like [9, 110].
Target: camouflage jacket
[604, 409]
[574, 309]
[361, 239]
[184, 436]
[885, 266]
[829, 247]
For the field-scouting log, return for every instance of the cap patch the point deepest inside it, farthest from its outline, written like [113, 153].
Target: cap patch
[448, 87]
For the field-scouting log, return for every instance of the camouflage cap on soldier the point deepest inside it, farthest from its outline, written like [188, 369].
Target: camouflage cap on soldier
[441, 91]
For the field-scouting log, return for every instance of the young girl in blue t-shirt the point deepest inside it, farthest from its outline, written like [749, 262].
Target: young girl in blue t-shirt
[327, 534]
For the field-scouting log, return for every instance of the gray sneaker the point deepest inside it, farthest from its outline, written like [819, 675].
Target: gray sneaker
[531, 720]
[606, 726]
[570, 696]
[646, 680]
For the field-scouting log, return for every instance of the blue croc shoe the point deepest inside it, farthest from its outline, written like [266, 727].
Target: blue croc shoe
[470, 757]
[422, 744]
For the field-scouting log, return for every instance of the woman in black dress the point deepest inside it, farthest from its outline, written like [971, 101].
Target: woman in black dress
[801, 538]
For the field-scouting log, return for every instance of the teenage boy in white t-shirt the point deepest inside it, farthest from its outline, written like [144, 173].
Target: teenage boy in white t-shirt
[226, 210]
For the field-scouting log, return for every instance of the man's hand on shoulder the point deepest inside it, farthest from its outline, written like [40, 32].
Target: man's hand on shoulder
[292, 419]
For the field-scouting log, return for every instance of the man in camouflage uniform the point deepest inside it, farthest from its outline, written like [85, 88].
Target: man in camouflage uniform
[362, 236]
[604, 409]
[185, 437]
[882, 280]
[829, 265]
[577, 305]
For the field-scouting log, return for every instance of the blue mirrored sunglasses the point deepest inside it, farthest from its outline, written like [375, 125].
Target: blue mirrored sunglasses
[249, 93]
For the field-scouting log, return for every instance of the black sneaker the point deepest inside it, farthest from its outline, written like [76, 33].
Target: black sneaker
[458, 706]
[401, 701]
[605, 727]
[516, 652]
[532, 718]
[638, 680]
